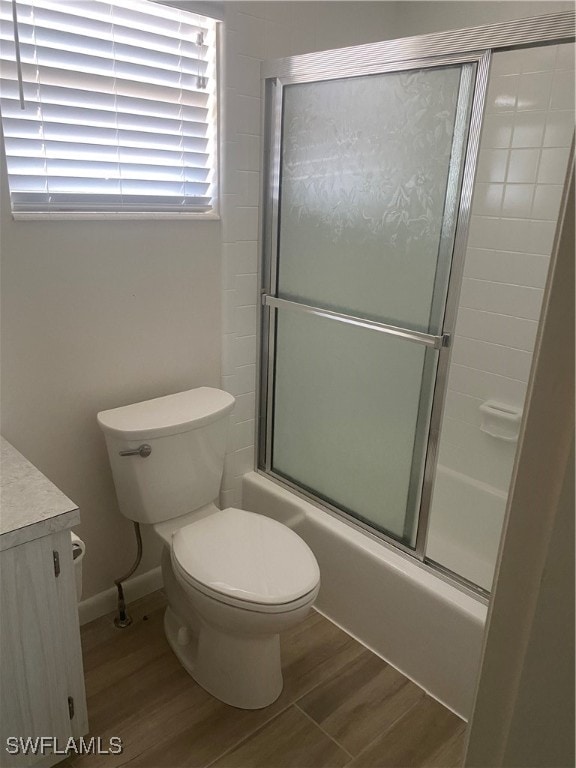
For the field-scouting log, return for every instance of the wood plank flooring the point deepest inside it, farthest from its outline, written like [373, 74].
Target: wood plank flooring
[341, 706]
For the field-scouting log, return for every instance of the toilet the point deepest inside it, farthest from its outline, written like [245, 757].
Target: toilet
[233, 579]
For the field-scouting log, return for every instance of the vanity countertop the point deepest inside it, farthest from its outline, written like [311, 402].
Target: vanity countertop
[30, 505]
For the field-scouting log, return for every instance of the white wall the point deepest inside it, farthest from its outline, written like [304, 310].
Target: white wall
[96, 315]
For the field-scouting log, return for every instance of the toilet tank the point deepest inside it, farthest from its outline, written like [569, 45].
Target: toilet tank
[186, 433]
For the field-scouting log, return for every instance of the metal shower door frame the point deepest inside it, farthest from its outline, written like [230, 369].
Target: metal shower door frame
[475, 46]
[440, 342]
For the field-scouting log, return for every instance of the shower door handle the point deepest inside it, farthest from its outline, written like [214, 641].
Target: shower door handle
[427, 339]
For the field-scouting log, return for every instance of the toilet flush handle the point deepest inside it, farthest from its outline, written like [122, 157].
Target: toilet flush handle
[143, 450]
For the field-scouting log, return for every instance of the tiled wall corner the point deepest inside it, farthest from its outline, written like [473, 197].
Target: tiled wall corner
[528, 128]
[244, 48]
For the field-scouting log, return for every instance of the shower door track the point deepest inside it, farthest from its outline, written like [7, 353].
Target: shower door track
[470, 45]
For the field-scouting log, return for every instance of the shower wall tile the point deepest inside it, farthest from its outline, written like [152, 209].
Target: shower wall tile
[231, 497]
[242, 434]
[247, 116]
[534, 91]
[485, 386]
[494, 358]
[241, 258]
[512, 332]
[502, 298]
[228, 270]
[526, 236]
[244, 351]
[488, 198]
[484, 231]
[497, 131]
[502, 93]
[528, 129]
[248, 187]
[242, 223]
[245, 319]
[228, 366]
[546, 203]
[245, 407]
[246, 75]
[228, 312]
[522, 166]
[553, 165]
[503, 65]
[464, 408]
[517, 200]
[504, 266]
[565, 60]
[248, 152]
[251, 30]
[523, 159]
[485, 458]
[244, 380]
[238, 463]
[541, 59]
[278, 40]
[246, 289]
[559, 128]
[563, 91]
[492, 166]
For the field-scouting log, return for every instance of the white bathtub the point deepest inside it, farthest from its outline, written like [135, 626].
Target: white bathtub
[466, 525]
[426, 628]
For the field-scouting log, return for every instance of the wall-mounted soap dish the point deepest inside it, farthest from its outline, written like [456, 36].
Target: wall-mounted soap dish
[501, 420]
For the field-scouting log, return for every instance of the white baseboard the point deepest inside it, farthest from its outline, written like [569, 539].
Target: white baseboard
[106, 601]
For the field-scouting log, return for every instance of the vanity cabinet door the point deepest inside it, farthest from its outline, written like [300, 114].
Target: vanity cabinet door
[41, 676]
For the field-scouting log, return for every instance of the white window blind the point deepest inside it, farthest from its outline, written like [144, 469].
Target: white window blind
[119, 107]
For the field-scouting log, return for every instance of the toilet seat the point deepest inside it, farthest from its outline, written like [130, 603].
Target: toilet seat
[246, 560]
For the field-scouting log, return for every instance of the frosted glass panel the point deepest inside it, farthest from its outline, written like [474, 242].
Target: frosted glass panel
[365, 167]
[345, 416]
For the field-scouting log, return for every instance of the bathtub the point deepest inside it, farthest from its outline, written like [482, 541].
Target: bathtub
[426, 628]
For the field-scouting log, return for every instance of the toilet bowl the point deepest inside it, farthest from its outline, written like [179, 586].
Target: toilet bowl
[247, 578]
[233, 579]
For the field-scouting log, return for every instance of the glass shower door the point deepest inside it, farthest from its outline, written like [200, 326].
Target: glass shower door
[360, 238]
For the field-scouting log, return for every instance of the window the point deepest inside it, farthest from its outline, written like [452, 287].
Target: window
[112, 109]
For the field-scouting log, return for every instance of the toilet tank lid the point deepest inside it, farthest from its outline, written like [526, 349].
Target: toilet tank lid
[167, 415]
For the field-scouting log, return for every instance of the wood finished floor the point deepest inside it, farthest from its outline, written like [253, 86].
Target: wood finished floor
[341, 706]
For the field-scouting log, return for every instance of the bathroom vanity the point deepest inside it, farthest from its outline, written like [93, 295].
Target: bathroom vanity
[41, 674]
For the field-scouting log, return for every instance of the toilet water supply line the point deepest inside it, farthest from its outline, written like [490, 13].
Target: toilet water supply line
[123, 619]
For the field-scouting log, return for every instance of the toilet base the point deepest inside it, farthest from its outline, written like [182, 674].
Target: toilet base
[244, 672]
